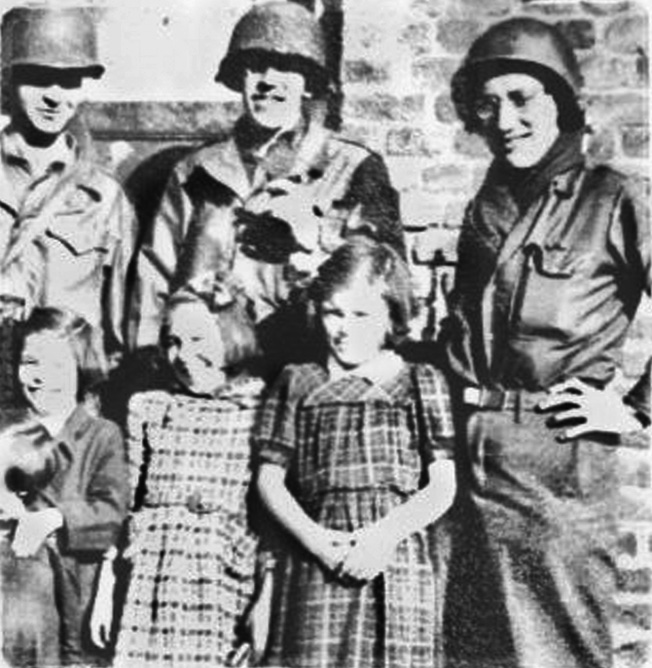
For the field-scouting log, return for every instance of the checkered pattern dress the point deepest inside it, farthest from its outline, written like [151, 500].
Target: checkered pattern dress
[354, 451]
[192, 551]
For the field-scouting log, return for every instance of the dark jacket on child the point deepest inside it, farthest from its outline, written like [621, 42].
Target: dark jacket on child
[91, 490]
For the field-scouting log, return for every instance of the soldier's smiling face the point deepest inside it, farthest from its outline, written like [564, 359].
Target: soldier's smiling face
[47, 98]
[273, 97]
[518, 118]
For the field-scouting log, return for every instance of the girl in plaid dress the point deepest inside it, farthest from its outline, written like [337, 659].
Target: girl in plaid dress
[192, 550]
[344, 446]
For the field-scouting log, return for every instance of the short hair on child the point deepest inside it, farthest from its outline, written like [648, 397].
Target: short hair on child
[237, 329]
[376, 262]
[84, 342]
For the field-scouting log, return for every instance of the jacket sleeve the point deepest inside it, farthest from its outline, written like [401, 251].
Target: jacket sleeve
[94, 511]
[631, 238]
[157, 261]
[123, 227]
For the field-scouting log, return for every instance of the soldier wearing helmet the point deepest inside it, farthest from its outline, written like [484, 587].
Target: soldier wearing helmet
[66, 227]
[553, 258]
[272, 200]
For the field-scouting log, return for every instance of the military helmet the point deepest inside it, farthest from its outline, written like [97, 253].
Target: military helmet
[276, 32]
[63, 38]
[526, 45]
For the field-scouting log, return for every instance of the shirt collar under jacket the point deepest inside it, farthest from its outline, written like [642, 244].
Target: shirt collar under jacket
[275, 155]
[223, 161]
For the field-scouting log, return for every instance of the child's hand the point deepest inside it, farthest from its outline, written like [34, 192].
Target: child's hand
[257, 621]
[101, 619]
[32, 530]
[369, 556]
[331, 547]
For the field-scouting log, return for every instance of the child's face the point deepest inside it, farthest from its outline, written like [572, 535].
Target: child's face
[47, 373]
[195, 348]
[356, 321]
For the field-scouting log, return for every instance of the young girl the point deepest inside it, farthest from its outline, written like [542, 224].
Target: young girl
[75, 506]
[345, 446]
[193, 552]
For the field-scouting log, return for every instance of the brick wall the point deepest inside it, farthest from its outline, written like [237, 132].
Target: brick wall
[398, 56]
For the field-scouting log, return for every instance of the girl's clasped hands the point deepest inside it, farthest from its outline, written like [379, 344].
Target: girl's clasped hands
[356, 556]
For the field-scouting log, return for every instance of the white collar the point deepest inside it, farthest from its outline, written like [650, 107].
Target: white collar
[54, 423]
[378, 370]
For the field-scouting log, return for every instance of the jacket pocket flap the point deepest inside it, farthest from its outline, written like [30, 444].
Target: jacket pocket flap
[77, 241]
[553, 262]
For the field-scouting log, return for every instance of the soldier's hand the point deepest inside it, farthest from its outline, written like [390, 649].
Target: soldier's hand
[294, 202]
[584, 410]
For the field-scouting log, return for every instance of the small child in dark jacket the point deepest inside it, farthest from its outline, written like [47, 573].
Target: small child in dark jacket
[74, 500]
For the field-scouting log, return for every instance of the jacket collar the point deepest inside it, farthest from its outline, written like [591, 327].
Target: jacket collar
[62, 153]
[74, 425]
[68, 161]
[222, 162]
[225, 161]
[564, 184]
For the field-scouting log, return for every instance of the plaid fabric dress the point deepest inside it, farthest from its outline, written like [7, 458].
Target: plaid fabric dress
[354, 451]
[192, 551]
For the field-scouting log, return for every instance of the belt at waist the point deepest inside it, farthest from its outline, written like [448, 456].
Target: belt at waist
[193, 503]
[487, 399]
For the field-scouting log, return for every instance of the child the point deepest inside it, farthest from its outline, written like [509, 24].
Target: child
[76, 504]
[27, 462]
[192, 550]
[344, 445]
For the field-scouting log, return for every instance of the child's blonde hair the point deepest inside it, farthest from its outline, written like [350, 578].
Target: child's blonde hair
[236, 327]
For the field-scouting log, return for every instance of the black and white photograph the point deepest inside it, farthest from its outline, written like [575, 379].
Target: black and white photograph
[325, 334]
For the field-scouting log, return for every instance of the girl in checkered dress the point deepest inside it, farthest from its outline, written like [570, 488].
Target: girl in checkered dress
[354, 462]
[192, 550]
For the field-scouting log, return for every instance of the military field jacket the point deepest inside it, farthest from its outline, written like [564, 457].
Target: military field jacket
[557, 298]
[68, 244]
[346, 182]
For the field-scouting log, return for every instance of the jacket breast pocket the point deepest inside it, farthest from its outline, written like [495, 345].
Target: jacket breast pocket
[547, 291]
[77, 239]
[76, 257]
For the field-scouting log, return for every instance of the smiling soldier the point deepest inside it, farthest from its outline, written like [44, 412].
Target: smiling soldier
[66, 227]
[554, 257]
[281, 188]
